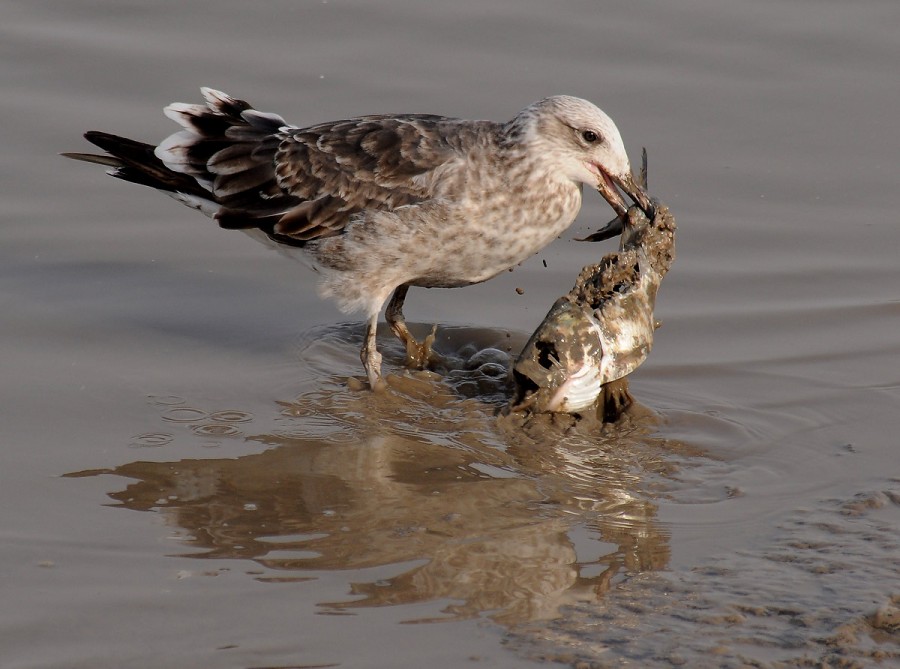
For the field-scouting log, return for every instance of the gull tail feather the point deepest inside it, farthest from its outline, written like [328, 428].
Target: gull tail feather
[221, 162]
[134, 161]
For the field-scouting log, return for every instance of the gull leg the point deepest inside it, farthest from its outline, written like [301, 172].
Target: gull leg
[417, 355]
[371, 358]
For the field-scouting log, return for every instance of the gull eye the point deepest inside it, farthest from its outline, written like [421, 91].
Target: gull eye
[589, 136]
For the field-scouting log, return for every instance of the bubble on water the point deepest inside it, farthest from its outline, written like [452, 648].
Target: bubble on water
[488, 355]
[494, 370]
[467, 351]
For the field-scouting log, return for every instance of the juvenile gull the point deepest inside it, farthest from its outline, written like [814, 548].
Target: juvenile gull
[379, 203]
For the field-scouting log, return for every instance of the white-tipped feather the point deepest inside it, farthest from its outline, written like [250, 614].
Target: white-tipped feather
[183, 113]
[263, 119]
[173, 150]
[216, 99]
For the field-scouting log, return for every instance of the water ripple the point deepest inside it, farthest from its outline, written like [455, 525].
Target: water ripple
[184, 415]
[151, 440]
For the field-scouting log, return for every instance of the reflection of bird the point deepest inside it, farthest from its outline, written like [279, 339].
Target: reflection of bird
[486, 523]
[381, 203]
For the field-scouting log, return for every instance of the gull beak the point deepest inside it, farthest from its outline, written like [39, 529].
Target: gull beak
[608, 186]
[636, 192]
[636, 189]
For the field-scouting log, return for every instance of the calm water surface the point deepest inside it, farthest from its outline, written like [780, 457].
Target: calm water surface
[187, 480]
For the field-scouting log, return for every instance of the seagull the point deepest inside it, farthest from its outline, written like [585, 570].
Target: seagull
[379, 203]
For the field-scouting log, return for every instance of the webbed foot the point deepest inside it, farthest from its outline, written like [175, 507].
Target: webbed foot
[419, 354]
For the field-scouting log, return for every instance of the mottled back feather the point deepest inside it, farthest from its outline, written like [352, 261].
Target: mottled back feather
[371, 162]
[296, 184]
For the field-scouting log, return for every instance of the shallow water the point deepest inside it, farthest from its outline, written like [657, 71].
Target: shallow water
[746, 513]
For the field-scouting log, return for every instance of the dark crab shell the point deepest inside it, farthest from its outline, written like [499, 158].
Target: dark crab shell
[602, 330]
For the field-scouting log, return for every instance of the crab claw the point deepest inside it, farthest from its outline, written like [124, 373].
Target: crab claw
[611, 229]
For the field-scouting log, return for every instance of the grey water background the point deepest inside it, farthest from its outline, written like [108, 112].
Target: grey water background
[186, 480]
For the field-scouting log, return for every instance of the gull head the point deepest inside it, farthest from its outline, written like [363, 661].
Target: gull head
[585, 145]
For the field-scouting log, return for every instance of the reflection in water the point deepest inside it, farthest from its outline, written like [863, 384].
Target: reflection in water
[500, 518]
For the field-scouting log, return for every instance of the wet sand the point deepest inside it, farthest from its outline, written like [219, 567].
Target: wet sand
[189, 479]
